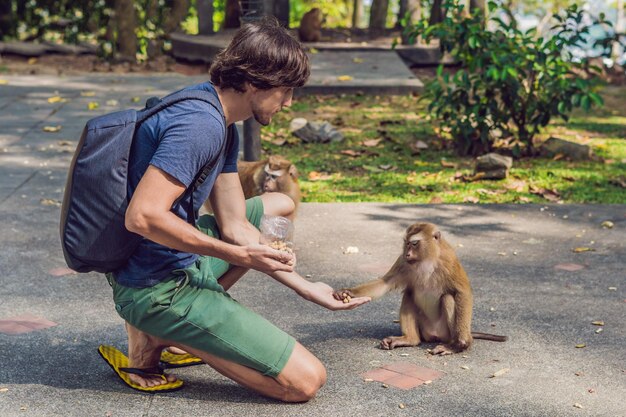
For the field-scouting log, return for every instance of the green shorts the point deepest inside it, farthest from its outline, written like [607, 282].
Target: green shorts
[192, 308]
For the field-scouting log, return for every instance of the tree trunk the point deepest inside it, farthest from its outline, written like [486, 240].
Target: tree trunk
[414, 11]
[205, 16]
[232, 13]
[436, 13]
[378, 17]
[280, 10]
[357, 13]
[620, 27]
[176, 15]
[126, 23]
[7, 27]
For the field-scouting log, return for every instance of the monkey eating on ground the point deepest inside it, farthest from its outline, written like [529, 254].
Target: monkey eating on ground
[275, 174]
[310, 29]
[437, 300]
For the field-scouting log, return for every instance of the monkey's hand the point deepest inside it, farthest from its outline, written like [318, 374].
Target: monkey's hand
[324, 295]
[343, 294]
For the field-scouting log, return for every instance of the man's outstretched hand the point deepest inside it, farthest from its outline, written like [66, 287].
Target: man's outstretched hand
[323, 294]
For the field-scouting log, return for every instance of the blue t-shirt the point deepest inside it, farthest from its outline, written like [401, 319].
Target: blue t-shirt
[180, 140]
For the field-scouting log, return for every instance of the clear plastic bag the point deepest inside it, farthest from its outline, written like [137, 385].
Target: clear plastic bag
[277, 232]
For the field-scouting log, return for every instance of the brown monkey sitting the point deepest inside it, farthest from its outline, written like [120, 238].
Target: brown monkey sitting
[275, 174]
[437, 300]
[310, 29]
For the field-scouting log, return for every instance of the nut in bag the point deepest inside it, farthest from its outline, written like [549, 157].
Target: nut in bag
[277, 232]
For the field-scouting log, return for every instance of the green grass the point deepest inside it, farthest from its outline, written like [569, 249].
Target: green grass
[390, 172]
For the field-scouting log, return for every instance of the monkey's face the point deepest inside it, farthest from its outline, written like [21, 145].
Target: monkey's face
[266, 103]
[421, 243]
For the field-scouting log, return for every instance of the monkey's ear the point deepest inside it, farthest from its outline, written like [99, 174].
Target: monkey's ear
[437, 235]
[293, 171]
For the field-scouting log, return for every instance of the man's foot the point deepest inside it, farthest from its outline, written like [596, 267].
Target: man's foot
[144, 352]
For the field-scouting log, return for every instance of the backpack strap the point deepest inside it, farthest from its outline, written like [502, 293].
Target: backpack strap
[155, 105]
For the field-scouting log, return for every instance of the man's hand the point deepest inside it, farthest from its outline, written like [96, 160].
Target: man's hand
[323, 294]
[265, 259]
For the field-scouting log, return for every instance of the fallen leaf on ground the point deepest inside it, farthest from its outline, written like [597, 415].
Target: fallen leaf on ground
[620, 182]
[357, 60]
[313, 50]
[447, 164]
[371, 168]
[607, 224]
[465, 367]
[32, 61]
[112, 102]
[598, 323]
[578, 405]
[50, 202]
[351, 250]
[87, 93]
[4, 389]
[56, 99]
[583, 249]
[569, 267]
[344, 78]
[350, 152]
[92, 105]
[52, 129]
[435, 200]
[317, 176]
[471, 199]
[135, 99]
[612, 288]
[516, 185]
[580, 346]
[401, 405]
[371, 143]
[500, 372]
[386, 167]
[524, 199]
[598, 331]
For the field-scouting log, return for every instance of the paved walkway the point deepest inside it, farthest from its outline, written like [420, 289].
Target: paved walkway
[515, 256]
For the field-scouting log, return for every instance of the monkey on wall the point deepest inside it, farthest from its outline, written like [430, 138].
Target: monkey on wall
[274, 174]
[437, 299]
[310, 29]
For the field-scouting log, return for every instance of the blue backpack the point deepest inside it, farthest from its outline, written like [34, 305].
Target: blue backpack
[93, 235]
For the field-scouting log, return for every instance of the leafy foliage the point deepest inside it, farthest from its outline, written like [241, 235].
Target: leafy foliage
[510, 83]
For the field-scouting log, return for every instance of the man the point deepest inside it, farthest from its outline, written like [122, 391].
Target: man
[172, 291]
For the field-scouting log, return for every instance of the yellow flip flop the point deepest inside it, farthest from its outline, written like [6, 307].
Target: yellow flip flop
[119, 363]
[174, 360]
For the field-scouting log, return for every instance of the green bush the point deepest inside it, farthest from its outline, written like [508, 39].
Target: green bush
[509, 84]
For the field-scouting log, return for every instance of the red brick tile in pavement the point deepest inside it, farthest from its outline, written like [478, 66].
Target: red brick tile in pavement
[402, 375]
[24, 324]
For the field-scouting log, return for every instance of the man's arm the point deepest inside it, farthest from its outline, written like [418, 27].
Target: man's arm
[228, 203]
[149, 215]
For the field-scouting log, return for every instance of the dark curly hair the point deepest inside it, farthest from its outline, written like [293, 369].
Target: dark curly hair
[265, 55]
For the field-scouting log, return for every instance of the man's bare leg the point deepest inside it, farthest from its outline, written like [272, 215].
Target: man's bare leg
[299, 381]
[144, 351]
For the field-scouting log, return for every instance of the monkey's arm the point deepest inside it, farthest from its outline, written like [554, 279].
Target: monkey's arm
[378, 287]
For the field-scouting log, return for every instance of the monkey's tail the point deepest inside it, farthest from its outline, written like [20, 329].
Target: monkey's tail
[489, 336]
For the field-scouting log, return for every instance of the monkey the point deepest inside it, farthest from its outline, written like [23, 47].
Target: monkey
[310, 29]
[437, 300]
[274, 174]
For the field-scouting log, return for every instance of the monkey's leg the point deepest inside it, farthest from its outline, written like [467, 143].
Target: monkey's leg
[448, 310]
[409, 314]
[458, 319]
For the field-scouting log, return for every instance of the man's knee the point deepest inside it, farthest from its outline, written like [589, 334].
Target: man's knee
[307, 385]
[278, 204]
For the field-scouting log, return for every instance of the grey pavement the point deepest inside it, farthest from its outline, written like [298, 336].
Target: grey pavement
[509, 251]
